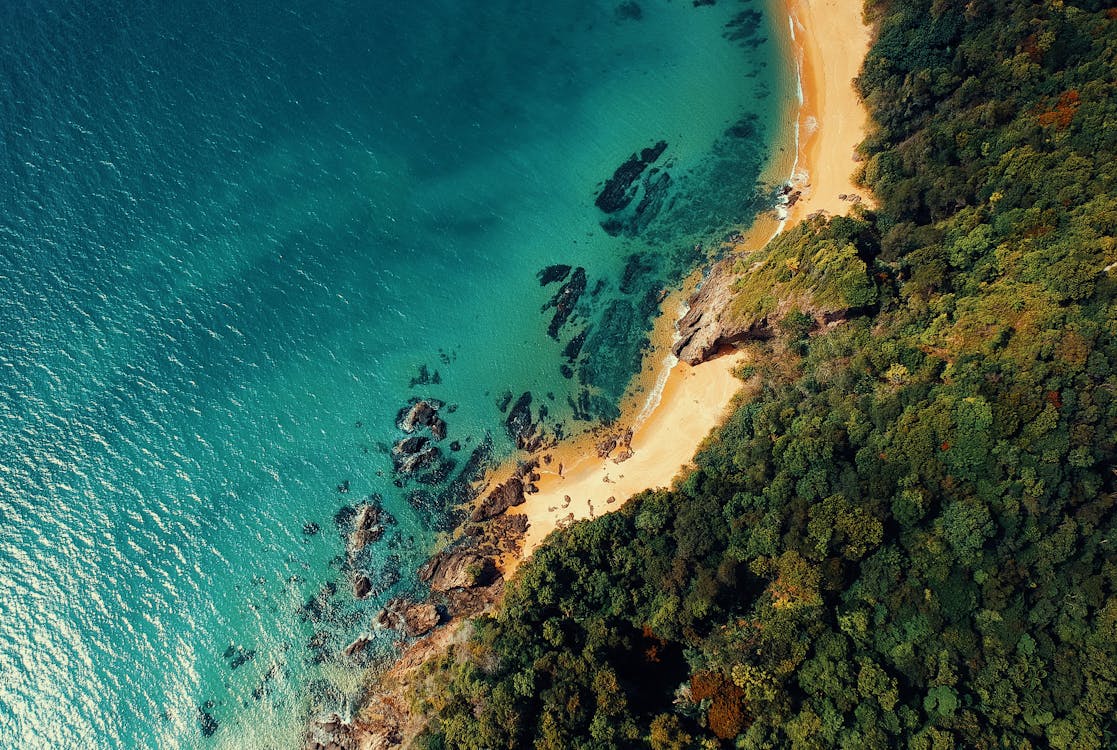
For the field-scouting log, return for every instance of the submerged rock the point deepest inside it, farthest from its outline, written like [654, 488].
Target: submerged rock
[425, 377]
[629, 11]
[574, 347]
[242, 657]
[319, 606]
[619, 189]
[564, 301]
[638, 269]
[551, 274]
[264, 686]
[655, 195]
[519, 424]
[461, 491]
[343, 518]
[206, 722]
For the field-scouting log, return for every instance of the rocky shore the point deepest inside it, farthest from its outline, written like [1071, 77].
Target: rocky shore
[707, 326]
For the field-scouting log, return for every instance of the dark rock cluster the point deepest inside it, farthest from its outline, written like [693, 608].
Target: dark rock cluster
[620, 189]
[565, 300]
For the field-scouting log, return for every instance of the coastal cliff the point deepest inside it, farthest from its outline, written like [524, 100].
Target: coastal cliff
[708, 325]
[812, 277]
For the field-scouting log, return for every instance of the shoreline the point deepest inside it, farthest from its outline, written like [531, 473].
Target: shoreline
[828, 122]
[670, 408]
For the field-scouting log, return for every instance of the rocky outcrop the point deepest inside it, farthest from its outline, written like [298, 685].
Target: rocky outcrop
[618, 445]
[606, 446]
[413, 454]
[367, 528]
[458, 568]
[362, 585]
[504, 496]
[423, 413]
[358, 646]
[461, 603]
[319, 607]
[708, 326]
[505, 532]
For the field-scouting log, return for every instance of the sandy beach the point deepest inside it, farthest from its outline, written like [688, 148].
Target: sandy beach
[828, 40]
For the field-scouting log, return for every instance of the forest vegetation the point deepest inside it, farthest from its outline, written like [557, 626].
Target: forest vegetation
[906, 537]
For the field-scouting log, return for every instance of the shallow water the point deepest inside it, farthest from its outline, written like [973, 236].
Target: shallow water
[231, 235]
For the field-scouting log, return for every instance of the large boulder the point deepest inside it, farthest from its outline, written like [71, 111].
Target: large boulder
[367, 528]
[504, 496]
[420, 414]
[459, 568]
[414, 619]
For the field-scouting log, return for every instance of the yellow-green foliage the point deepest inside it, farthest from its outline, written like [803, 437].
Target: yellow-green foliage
[815, 267]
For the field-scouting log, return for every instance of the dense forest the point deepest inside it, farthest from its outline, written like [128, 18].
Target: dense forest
[906, 537]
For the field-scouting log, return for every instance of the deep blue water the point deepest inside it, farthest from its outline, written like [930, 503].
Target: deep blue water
[230, 236]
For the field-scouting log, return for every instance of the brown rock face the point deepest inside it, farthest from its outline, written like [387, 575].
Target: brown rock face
[420, 414]
[362, 586]
[330, 733]
[414, 619]
[366, 528]
[420, 619]
[503, 497]
[356, 647]
[706, 327]
[461, 568]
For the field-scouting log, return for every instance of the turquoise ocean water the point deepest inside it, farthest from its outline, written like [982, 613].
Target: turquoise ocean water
[232, 234]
